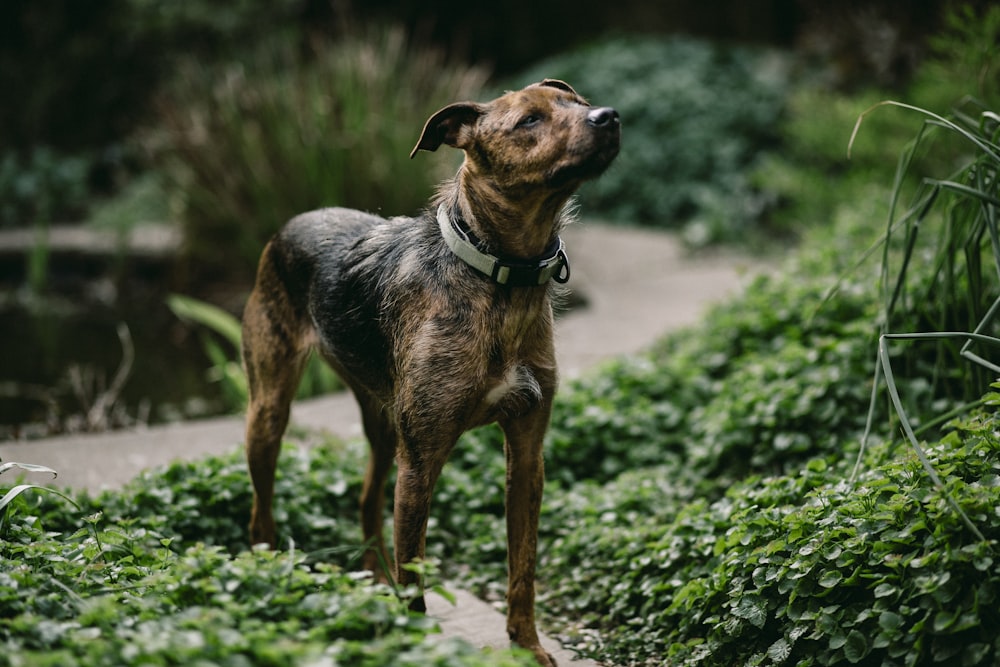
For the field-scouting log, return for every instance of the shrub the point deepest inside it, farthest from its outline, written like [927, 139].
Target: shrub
[764, 383]
[694, 117]
[801, 569]
[251, 145]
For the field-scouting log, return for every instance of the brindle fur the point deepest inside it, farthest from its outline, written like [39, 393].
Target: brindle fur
[429, 347]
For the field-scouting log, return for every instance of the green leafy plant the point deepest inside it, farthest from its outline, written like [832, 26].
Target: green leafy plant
[12, 493]
[811, 182]
[119, 596]
[799, 569]
[957, 296]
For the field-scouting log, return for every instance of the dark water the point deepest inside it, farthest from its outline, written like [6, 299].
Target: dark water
[66, 344]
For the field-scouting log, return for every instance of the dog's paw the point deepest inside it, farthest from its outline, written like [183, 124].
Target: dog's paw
[543, 657]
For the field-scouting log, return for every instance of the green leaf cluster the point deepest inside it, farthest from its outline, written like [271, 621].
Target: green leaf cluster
[802, 569]
[116, 595]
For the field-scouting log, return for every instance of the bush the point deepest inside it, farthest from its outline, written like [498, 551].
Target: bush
[694, 116]
[765, 382]
[252, 145]
[803, 569]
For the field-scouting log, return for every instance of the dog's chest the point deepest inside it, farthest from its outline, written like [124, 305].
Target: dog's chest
[518, 387]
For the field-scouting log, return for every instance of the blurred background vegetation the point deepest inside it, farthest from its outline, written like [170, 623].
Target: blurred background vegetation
[215, 123]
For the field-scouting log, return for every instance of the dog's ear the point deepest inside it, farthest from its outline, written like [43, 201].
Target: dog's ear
[445, 126]
[561, 85]
[556, 83]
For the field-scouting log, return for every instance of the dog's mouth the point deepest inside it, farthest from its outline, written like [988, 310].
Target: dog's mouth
[585, 166]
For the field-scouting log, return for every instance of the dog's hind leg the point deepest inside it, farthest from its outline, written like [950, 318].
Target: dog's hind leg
[274, 354]
[381, 435]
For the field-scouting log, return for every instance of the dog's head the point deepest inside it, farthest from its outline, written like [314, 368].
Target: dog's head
[545, 136]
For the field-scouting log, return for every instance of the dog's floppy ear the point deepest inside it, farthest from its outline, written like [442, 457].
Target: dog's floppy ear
[556, 83]
[561, 85]
[445, 126]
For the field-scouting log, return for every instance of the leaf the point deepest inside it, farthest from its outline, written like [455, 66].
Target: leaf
[446, 594]
[753, 609]
[779, 651]
[199, 312]
[830, 578]
[30, 467]
[945, 619]
[21, 488]
[973, 654]
[890, 621]
[856, 647]
[884, 590]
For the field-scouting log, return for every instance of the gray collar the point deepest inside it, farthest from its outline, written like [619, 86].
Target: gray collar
[553, 264]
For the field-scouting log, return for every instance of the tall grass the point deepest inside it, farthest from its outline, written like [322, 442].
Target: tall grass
[290, 129]
[959, 297]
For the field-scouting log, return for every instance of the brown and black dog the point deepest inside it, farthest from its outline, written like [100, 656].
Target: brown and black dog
[438, 323]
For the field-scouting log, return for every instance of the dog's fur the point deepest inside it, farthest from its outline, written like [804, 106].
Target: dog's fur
[429, 346]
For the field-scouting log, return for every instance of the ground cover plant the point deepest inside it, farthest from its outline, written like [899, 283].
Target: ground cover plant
[118, 596]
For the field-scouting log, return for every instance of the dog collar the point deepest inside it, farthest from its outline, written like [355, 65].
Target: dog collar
[553, 264]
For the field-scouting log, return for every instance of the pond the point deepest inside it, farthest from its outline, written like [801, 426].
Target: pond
[65, 364]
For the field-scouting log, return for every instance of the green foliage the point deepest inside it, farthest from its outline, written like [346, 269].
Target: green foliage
[118, 596]
[766, 382]
[800, 569]
[253, 144]
[965, 60]
[45, 187]
[12, 494]
[951, 229]
[701, 506]
[57, 66]
[694, 118]
[226, 369]
[656, 546]
[814, 182]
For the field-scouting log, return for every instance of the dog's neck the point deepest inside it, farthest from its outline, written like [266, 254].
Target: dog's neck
[553, 264]
[521, 228]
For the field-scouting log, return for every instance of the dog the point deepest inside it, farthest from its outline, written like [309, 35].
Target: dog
[437, 323]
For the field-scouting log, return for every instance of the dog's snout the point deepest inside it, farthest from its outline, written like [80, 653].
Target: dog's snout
[602, 117]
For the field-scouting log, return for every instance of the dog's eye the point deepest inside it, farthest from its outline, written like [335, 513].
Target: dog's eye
[529, 120]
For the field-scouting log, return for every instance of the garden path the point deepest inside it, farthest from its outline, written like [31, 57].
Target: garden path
[637, 284]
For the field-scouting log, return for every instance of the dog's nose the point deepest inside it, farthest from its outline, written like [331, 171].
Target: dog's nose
[602, 117]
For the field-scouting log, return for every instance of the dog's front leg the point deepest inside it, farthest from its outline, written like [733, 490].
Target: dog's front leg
[525, 479]
[417, 472]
